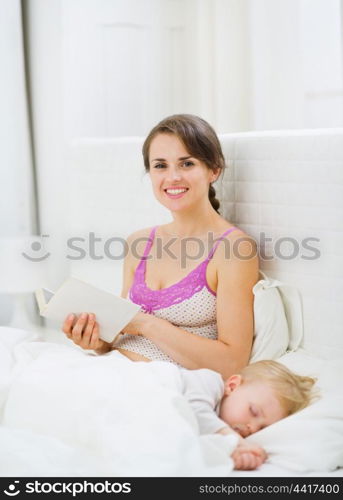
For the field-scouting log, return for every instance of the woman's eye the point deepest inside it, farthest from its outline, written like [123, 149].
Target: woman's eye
[184, 164]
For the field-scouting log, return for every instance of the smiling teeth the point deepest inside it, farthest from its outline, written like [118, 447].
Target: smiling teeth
[176, 191]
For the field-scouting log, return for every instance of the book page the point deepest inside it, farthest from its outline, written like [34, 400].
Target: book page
[77, 296]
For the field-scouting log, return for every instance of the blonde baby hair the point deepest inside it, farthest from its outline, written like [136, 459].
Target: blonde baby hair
[293, 391]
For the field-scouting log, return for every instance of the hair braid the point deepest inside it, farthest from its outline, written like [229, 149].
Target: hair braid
[212, 197]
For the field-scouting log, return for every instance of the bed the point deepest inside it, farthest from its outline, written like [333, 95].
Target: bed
[285, 188]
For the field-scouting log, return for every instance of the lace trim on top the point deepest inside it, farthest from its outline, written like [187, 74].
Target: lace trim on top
[151, 300]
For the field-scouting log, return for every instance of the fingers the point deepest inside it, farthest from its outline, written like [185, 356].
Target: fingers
[258, 452]
[88, 330]
[82, 330]
[263, 455]
[94, 340]
[68, 324]
[78, 328]
[245, 460]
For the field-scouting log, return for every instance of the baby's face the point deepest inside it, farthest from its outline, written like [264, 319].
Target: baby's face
[249, 407]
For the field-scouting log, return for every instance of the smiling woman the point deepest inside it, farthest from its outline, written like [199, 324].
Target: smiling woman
[196, 311]
[197, 143]
[178, 176]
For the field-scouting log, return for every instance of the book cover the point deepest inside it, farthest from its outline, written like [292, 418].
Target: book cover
[75, 296]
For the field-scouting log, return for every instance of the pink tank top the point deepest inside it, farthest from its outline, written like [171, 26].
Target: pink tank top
[189, 304]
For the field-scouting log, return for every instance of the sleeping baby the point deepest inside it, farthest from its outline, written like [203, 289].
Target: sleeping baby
[261, 394]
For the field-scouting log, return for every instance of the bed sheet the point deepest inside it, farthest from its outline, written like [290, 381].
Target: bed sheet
[64, 412]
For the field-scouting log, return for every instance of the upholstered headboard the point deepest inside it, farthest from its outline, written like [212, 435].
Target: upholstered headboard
[285, 188]
[289, 186]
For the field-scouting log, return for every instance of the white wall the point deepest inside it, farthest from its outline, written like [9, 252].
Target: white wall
[125, 65]
[277, 69]
[297, 63]
[322, 44]
[231, 76]
[105, 68]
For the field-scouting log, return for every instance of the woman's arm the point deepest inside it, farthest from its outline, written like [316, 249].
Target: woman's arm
[227, 355]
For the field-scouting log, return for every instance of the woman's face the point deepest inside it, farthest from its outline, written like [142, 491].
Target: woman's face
[179, 180]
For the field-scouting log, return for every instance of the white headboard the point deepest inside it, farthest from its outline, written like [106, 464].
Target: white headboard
[285, 184]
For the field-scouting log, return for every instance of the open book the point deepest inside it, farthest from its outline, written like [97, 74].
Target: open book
[76, 296]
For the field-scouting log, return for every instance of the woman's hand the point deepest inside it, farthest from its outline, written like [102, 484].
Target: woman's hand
[139, 324]
[84, 332]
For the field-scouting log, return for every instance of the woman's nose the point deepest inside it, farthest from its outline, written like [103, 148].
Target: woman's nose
[174, 174]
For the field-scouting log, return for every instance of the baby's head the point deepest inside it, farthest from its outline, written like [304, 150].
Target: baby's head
[261, 394]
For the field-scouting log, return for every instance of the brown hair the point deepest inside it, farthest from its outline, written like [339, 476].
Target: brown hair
[198, 137]
[293, 391]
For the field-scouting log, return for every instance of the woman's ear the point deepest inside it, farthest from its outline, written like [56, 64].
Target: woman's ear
[232, 383]
[214, 175]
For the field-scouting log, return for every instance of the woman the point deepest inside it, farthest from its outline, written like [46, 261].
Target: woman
[198, 312]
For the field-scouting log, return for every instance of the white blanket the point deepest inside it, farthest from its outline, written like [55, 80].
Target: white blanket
[69, 413]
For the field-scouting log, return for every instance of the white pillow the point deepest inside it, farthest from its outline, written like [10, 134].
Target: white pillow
[278, 321]
[311, 439]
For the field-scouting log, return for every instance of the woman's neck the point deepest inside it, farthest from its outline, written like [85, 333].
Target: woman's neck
[195, 223]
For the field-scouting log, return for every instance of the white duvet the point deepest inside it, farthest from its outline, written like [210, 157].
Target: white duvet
[67, 413]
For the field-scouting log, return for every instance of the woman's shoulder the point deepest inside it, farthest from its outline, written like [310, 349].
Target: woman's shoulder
[136, 243]
[231, 233]
[237, 247]
[239, 236]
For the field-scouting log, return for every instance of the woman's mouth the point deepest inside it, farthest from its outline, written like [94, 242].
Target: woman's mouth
[175, 192]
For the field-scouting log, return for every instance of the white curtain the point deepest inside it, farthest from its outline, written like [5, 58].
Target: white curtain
[276, 64]
[18, 216]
